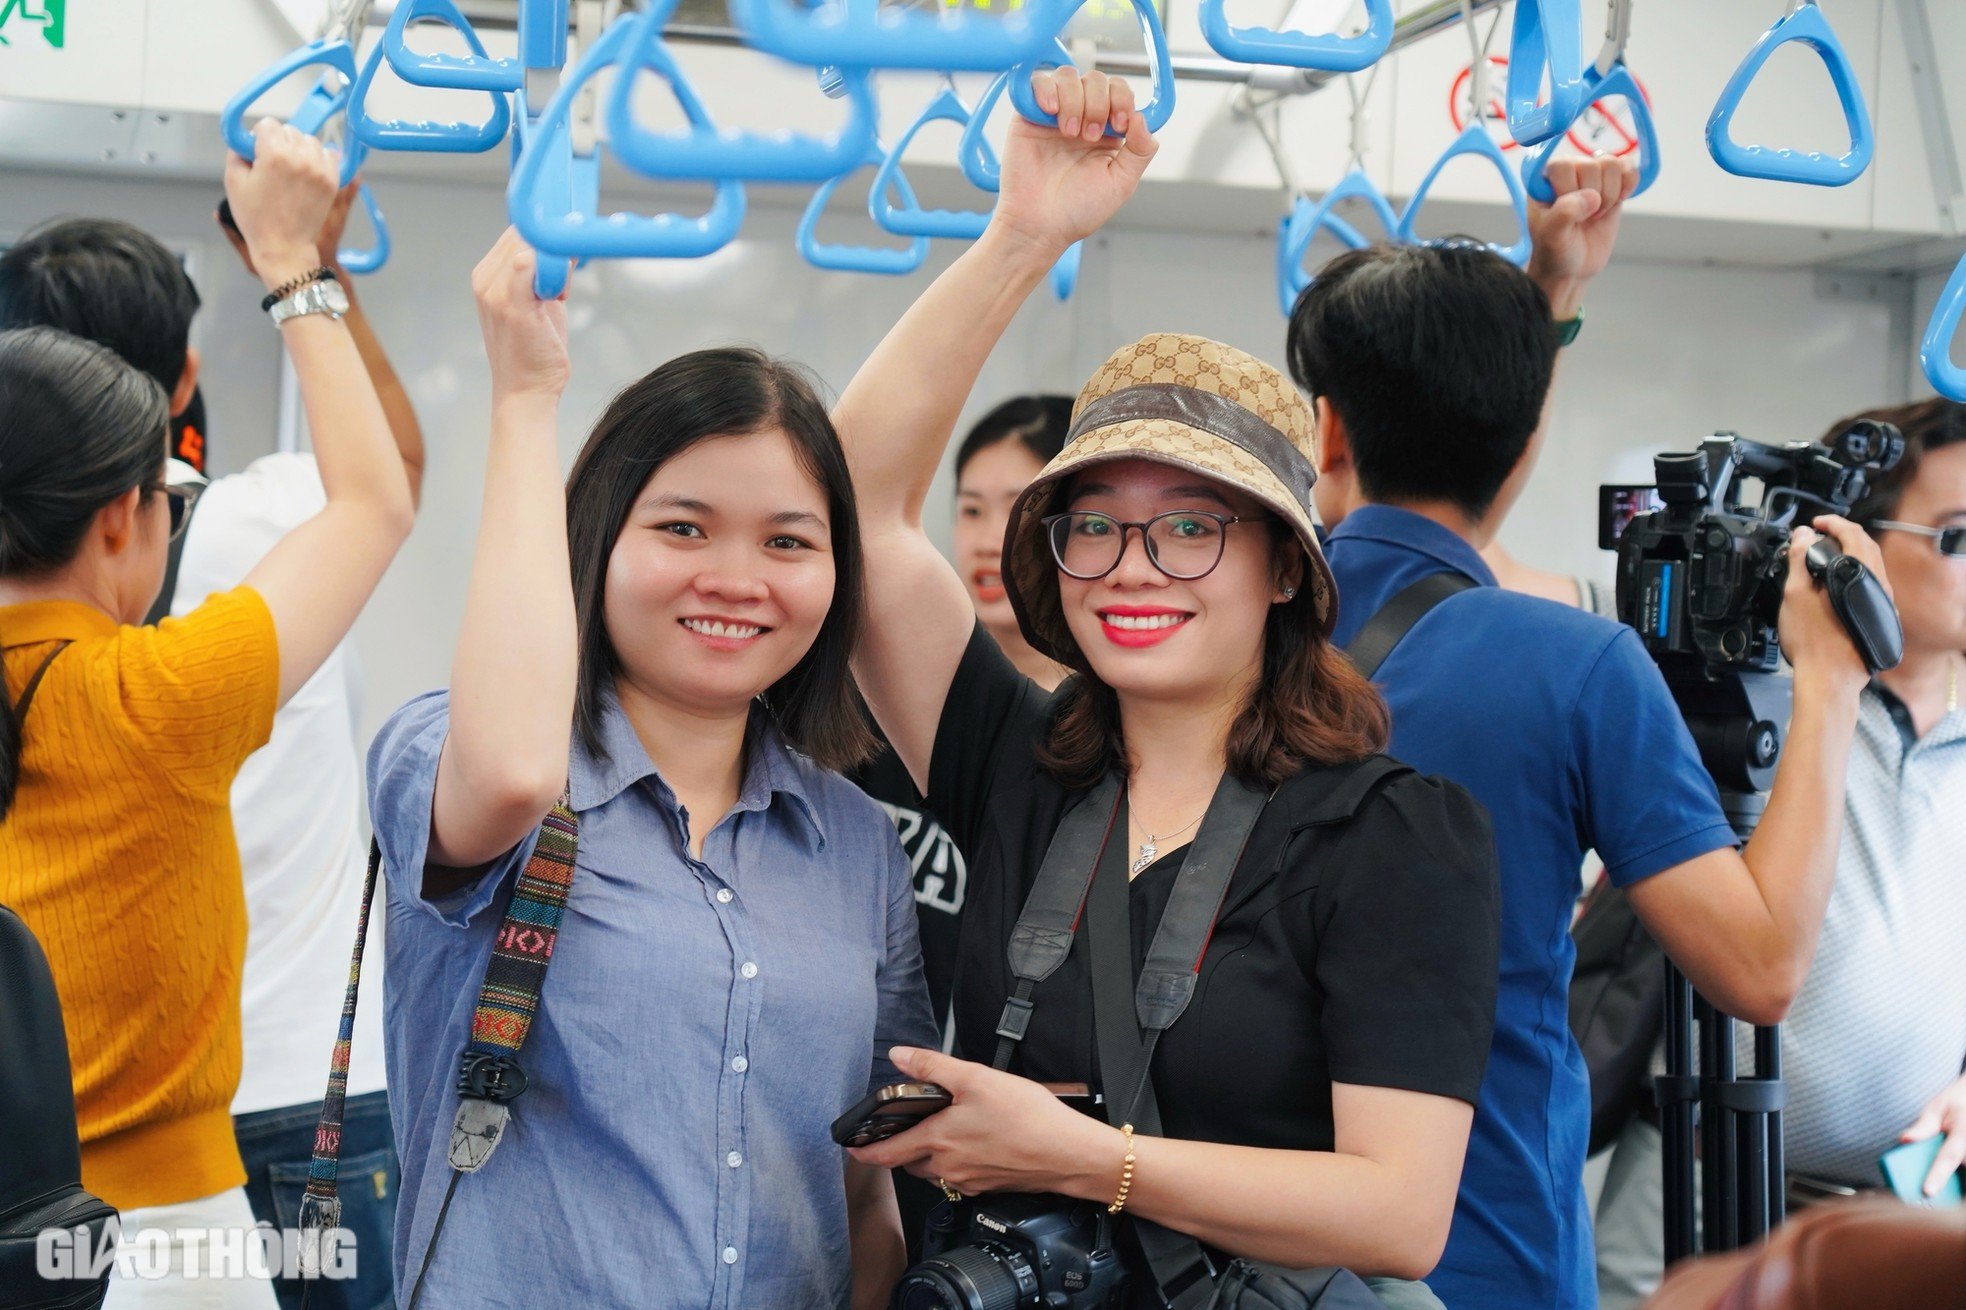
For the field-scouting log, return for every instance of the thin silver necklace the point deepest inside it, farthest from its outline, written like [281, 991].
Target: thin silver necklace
[1150, 851]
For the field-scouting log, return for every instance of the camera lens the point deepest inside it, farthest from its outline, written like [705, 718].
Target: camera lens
[966, 1278]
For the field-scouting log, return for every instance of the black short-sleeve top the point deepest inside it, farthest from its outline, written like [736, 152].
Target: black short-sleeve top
[1357, 941]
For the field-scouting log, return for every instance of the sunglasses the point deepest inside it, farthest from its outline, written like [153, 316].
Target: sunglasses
[1950, 542]
[1185, 544]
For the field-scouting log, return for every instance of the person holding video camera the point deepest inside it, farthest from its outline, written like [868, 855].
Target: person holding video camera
[1429, 366]
[1212, 755]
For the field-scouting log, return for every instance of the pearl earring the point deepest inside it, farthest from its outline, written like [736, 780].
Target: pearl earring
[1290, 593]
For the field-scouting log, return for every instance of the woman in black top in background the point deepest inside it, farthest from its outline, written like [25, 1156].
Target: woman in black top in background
[1316, 1094]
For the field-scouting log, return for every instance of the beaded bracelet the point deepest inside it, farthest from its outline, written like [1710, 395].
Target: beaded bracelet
[285, 289]
[1126, 1173]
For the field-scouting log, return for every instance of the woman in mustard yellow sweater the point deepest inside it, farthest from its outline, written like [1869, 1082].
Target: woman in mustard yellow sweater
[118, 743]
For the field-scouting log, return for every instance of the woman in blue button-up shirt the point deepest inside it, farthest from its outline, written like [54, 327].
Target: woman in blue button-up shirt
[738, 950]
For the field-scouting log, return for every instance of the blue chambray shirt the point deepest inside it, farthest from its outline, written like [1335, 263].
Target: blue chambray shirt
[700, 1027]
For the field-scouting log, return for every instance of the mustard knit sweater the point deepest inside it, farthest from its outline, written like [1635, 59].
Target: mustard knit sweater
[120, 856]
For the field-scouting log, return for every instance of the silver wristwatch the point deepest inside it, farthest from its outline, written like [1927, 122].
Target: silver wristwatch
[323, 297]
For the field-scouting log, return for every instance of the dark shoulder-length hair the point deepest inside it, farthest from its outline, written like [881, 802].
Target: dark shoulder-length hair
[1309, 706]
[731, 391]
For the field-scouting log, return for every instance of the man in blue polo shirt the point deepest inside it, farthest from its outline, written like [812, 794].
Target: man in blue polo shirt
[1429, 367]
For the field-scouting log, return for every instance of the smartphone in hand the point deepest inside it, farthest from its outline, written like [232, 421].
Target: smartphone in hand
[887, 1111]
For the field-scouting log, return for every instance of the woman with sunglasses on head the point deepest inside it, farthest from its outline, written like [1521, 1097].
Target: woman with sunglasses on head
[652, 669]
[1317, 1090]
[119, 743]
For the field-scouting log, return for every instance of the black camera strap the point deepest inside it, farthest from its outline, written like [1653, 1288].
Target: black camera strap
[1081, 865]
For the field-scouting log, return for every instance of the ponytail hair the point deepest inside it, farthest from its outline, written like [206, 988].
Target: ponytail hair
[78, 428]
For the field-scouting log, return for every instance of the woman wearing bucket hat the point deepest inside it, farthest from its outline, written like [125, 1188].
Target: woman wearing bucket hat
[1316, 1090]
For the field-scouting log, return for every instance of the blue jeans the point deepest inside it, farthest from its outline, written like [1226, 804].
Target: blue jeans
[278, 1146]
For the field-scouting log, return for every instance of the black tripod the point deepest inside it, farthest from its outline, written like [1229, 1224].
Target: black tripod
[1736, 719]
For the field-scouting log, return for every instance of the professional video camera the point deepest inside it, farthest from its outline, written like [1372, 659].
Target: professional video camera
[1015, 1250]
[1700, 577]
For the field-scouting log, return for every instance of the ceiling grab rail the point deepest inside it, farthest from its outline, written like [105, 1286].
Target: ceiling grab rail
[1475, 141]
[1159, 106]
[708, 151]
[1307, 218]
[323, 111]
[1606, 79]
[1935, 351]
[908, 219]
[569, 223]
[426, 135]
[1546, 34]
[892, 261]
[542, 45]
[1322, 50]
[863, 34]
[1802, 23]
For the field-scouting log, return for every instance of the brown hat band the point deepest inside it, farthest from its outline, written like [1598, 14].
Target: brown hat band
[1205, 412]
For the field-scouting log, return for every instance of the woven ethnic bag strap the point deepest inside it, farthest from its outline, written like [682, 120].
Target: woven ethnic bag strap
[508, 998]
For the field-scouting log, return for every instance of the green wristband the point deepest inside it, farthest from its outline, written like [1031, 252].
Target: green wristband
[1567, 330]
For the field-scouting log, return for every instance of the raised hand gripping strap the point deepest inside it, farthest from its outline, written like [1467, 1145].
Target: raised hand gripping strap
[1935, 351]
[1158, 107]
[1546, 34]
[914, 221]
[974, 154]
[336, 58]
[1327, 50]
[425, 135]
[1804, 24]
[862, 34]
[1618, 84]
[708, 151]
[568, 223]
[892, 260]
[1306, 219]
[1474, 140]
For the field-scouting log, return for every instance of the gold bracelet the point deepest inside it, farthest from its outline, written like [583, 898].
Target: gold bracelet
[1126, 1172]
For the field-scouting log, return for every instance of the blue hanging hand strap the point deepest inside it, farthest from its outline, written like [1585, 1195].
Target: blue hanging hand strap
[1328, 50]
[1065, 273]
[552, 187]
[894, 261]
[1299, 228]
[908, 219]
[1159, 106]
[368, 261]
[863, 34]
[568, 223]
[1546, 35]
[1804, 24]
[426, 136]
[1618, 84]
[1935, 352]
[332, 51]
[975, 155]
[706, 151]
[474, 71]
[1474, 140]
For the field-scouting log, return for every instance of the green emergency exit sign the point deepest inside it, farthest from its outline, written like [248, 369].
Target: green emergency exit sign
[51, 16]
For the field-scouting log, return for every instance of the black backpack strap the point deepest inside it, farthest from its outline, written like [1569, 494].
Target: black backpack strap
[34, 682]
[1386, 629]
[160, 609]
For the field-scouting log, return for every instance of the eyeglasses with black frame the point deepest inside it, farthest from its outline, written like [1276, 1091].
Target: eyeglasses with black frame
[1185, 544]
[180, 486]
[1948, 541]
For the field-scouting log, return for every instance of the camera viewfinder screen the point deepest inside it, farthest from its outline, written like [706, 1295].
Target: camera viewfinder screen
[1618, 505]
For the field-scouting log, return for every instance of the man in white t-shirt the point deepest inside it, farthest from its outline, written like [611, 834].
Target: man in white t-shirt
[297, 803]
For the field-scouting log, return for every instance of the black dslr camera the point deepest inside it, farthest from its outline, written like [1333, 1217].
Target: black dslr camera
[1005, 1252]
[1700, 577]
